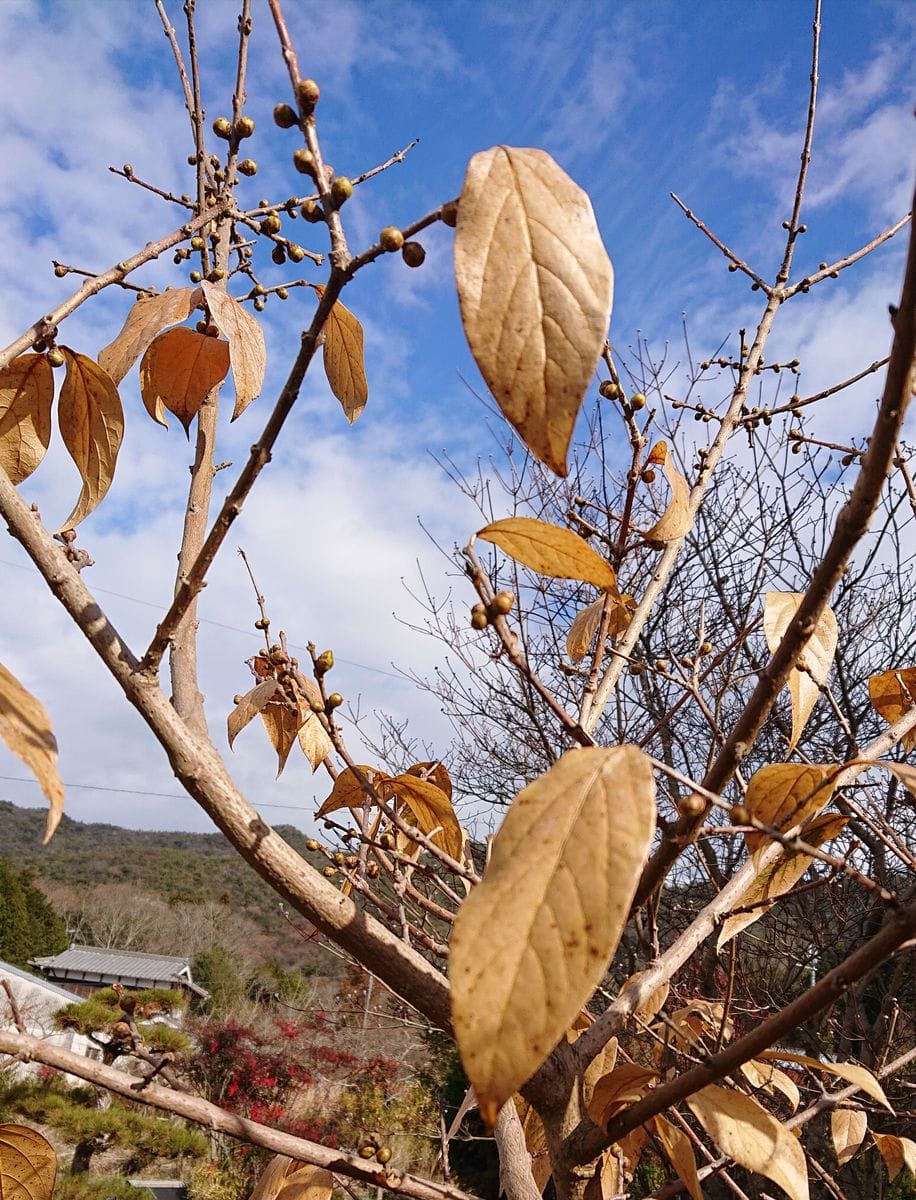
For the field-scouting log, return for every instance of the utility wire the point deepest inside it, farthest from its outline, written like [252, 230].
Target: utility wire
[96, 787]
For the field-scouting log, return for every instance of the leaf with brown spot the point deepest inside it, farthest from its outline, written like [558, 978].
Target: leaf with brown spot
[813, 663]
[624, 1085]
[534, 938]
[148, 316]
[848, 1127]
[26, 728]
[679, 1152]
[744, 1130]
[897, 1152]
[786, 794]
[247, 351]
[28, 1164]
[550, 550]
[535, 287]
[892, 694]
[768, 885]
[675, 521]
[314, 740]
[586, 623]
[344, 361]
[178, 370]
[431, 809]
[347, 791]
[92, 425]
[26, 392]
[282, 724]
[249, 706]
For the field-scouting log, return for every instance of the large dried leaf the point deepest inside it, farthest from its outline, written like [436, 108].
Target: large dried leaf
[307, 1182]
[430, 808]
[282, 724]
[344, 361]
[585, 623]
[149, 316]
[92, 425]
[769, 884]
[550, 550]
[435, 772]
[28, 1164]
[535, 286]
[535, 1142]
[178, 370]
[249, 706]
[743, 1130]
[848, 1127]
[892, 695]
[675, 521]
[851, 1072]
[769, 1078]
[26, 392]
[314, 740]
[786, 794]
[813, 664]
[347, 791]
[897, 1152]
[247, 351]
[679, 1152]
[26, 729]
[534, 938]
[616, 1090]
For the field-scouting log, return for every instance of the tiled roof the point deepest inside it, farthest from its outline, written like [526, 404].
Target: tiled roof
[97, 963]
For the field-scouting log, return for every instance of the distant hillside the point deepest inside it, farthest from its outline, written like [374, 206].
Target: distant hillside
[175, 865]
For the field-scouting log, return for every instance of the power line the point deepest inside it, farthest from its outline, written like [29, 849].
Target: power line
[347, 662]
[96, 787]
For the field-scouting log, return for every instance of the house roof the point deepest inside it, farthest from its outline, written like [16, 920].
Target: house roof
[107, 965]
[38, 981]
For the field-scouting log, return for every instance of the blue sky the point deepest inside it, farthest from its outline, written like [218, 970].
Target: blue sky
[633, 99]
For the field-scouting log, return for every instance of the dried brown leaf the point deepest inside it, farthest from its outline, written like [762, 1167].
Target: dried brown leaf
[26, 728]
[247, 351]
[742, 1129]
[892, 695]
[435, 772]
[431, 810]
[92, 425]
[586, 622]
[813, 664]
[535, 1142]
[347, 791]
[655, 1002]
[535, 286]
[679, 1152]
[769, 1078]
[344, 360]
[768, 885]
[622, 1086]
[26, 392]
[675, 521]
[147, 317]
[897, 1152]
[314, 740]
[306, 1183]
[28, 1164]
[786, 794]
[851, 1072]
[550, 550]
[249, 706]
[282, 723]
[178, 370]
[534, 938]
[848, 1127]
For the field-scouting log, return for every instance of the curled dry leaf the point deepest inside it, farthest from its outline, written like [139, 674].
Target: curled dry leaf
[897, 1152]
[585, 624]
[679, 1152]
[550, 550]
[178, 370]
[282, 723]
[743, 1130]
[813, 664]
[431, 810]
[28, 1164]
[26, 729]
[533, 939]
[344, 360]
[26, 392]
[147, 317]
[247, 351]
[892, 694]
[314, 740]
[249, 706]
[535, 1142]
[675, 520]
[347, 791]
[851, 1072]
[848, 1127]
[435, 772]
[622, 1086]
[786, 794]
[768, 885]
[535, 287]
[769, 1078]
[92, 425]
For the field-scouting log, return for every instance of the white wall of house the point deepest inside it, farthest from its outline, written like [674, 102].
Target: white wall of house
[38, 1001]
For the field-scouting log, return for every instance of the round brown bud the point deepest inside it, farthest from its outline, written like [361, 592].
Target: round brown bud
[312, 844]
[329, 872]
[383, 1154]
[304, 161]
[324, 662]
[308, 91]
[340, 858]
[386, 841]
[248, 167]
[216, 275]
[222, 127]
[195, 277]
[502, 602]
[285, 116]
[197, 242]
[55, 357]
[341, 190]
[739, 814]
[259, 304]
[60, 271]
[636, 668]
[448, 214]
[262, 623]
[278, 254]
[282, 293]
[413, 254]
[271, 224]
[692, 805]
[367, 1151]
[295, 253]
[391, 238]
[372, 870]
[706, 647]
[609, 390]
[243, 128]
[648, 475]
[311, 211]
[479, 620]
[335, 700]
[638, 401]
